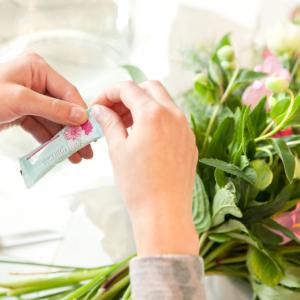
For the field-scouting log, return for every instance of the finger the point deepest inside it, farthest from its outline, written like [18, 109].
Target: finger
[75, 158]
[47, 81]
[37, 130]
[111, 124]
[119, 107]
[133, 96]
[29, 102]
[53, 128]
[157, 91]
[127, 120]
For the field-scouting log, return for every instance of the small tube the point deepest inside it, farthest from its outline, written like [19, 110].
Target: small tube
[66, 142]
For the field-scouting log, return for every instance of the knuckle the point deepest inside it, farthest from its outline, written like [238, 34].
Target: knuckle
[56, 107]
[182, 118]
[127, 84]
[71, 91]
[155, 83]
[33, 57]
[154, 113]
[18, 94]
[128, 87]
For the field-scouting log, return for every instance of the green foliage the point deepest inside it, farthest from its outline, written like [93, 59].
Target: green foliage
[262, 268]
[201, 207]
[286, 156]
[135, 73]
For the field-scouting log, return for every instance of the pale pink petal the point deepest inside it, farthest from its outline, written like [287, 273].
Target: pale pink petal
[254, 93]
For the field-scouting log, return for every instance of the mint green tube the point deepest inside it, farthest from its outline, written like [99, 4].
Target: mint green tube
[66, 142]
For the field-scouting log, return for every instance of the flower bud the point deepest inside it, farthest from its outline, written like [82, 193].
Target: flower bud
[227, 66]
[226, 53]
[277, 84]
[202, 79]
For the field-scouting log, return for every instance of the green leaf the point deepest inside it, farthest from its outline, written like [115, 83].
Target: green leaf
[263, 268]
[224, 41]
[278, 111]
[230, 226]
[266, 292]
[246, 77]
[273, 224]
[215, 73]
[136, 74]
[224, 203]
[220, 178]
[264, 175]
[219, 237]
[249, 76]
[267, 236]
[291, 276]
[241, 135]
[230, 169]
[267, 209]
[258, 118]
[201, 207]
[222, 136]
[286, 157]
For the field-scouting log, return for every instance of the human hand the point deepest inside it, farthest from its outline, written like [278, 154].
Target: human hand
[154, 164]
[40, 100]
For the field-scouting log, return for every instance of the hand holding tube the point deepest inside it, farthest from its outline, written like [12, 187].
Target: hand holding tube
[38, 99]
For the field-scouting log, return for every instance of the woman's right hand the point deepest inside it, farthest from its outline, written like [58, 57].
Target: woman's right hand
[154, 164]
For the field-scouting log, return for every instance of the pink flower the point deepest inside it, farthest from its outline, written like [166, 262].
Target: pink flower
[271, 66]
[290, 220]
[72, 132]
[87, 127]
[283, 133]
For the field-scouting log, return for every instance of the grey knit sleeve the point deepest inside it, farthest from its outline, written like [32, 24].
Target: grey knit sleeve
[166, 277]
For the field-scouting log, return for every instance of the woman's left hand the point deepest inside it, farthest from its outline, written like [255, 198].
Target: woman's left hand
[40, 100]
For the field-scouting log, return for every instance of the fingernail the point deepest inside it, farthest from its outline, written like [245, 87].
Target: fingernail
[78, 114]
[98, 112]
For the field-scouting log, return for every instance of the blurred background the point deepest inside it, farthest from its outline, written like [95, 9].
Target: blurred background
[75, 215]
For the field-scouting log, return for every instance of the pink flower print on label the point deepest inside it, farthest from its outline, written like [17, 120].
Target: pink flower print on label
[87, 127]
[72, 132]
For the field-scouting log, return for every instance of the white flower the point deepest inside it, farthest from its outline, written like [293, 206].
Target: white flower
[284, 39]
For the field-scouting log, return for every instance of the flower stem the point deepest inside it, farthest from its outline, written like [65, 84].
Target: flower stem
[219, 251]
[202, 240]
[216, 109]
[66, 268]
[282, 123]
[116, 288]
[289, 250]
[207, 247]
[232, 260]
[269, 153]
[127, 293]
[97, 280]
[295, 68]
[45, 283]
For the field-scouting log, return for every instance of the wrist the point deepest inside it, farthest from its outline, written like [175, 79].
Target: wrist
[163, 234]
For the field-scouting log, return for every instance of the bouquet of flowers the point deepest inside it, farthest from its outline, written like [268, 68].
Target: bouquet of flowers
[246, 202]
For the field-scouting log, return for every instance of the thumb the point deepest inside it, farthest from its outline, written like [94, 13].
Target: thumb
[55, 110]
[111, 124]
